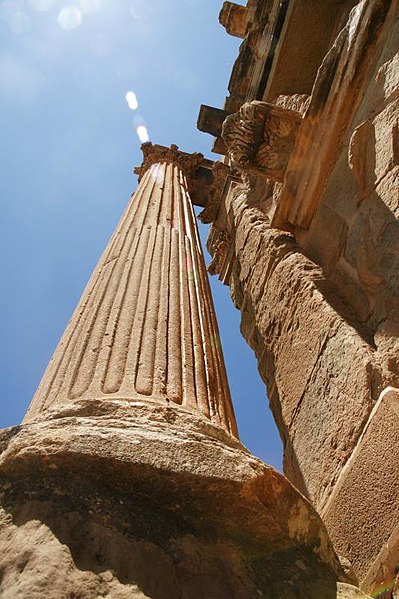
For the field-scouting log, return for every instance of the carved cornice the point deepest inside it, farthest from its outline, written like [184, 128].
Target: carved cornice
[260, 138]
[156, 154]
[220, 173]
[221, 241]
[340, 86]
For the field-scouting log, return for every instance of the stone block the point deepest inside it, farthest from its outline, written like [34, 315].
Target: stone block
[388, 78]
[210, 119]
[388, 191]
[342, 191]
[363, 509]
[362, 249]
[347, 283]
[333, 410]
[347, 591]
[106, 499]
[234, 18]
[386, 126]
[312, 359]
[325, 239]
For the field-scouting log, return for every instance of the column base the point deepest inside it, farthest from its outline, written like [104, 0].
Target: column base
[136, 500]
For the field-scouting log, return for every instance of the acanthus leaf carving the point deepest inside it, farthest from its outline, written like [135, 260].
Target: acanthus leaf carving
[260, 138]
[157, 154]
[220, 242]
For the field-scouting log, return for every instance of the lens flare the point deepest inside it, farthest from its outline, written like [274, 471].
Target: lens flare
[17, 21]
[88, 6]
[142, 133]
[41, 5]
[131, 100]
[20, 23]
[70, 17]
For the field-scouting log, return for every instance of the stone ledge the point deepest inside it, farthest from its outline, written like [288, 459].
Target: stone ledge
[138, 474]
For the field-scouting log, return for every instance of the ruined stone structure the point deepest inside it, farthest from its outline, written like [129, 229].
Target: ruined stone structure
[126, 478]
[306, 234]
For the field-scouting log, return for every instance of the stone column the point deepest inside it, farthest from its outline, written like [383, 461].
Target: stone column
[124, 479]
[145, 327]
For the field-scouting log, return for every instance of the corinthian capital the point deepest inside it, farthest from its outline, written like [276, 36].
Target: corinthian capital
[156, 154]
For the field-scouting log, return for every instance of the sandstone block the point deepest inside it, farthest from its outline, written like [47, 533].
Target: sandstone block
[388, 78]
[348, 286]
[347, 591]
[301, 342]
[121, 500]
[388, 191]
[363, 509]
[334, 408]
[325, 239]
[386, 126]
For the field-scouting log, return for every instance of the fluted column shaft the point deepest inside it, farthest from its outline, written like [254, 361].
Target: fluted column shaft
[145, 327]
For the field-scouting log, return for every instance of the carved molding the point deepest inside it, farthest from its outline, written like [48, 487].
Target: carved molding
[221, 241]
[220, 173]
[340, 86]
[145, 328]
[260, 138]
[157, 154]
[297, 102]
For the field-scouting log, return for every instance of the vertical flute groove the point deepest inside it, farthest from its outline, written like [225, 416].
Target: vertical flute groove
[175, 358]
[125, 318]
[145, 329]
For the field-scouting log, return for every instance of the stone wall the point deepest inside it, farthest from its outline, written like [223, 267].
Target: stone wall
[354, 235]
[312, 262]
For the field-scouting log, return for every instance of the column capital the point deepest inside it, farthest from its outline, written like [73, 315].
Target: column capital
[156, 154]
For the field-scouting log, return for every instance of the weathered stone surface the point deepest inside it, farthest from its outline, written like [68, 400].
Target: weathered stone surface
[347, 591]
[331, 417]
[336, 94]
[370, 479]
[326, 238]
[326, 338]
[106, 497]
[300, 331]
[387, 342]
[387, 77]
[145, 325]
[386, 126]
[382, 579]
[388, 191]
[234, 18]
[309, 30]
[260, 138]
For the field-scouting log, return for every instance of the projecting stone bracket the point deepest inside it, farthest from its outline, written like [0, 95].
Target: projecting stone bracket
[260, 139]
[235, 18]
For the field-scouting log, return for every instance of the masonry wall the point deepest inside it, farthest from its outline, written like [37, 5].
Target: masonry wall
[319, 298]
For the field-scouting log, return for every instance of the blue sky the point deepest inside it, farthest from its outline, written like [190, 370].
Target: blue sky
[69, 144]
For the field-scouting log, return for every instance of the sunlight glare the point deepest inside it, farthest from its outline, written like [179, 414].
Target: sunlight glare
[7, 10]
[142, 133]
[131, 100]
[70, 17]
[88, 6]
[19, 23]
[41, 5]
[134, 13]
